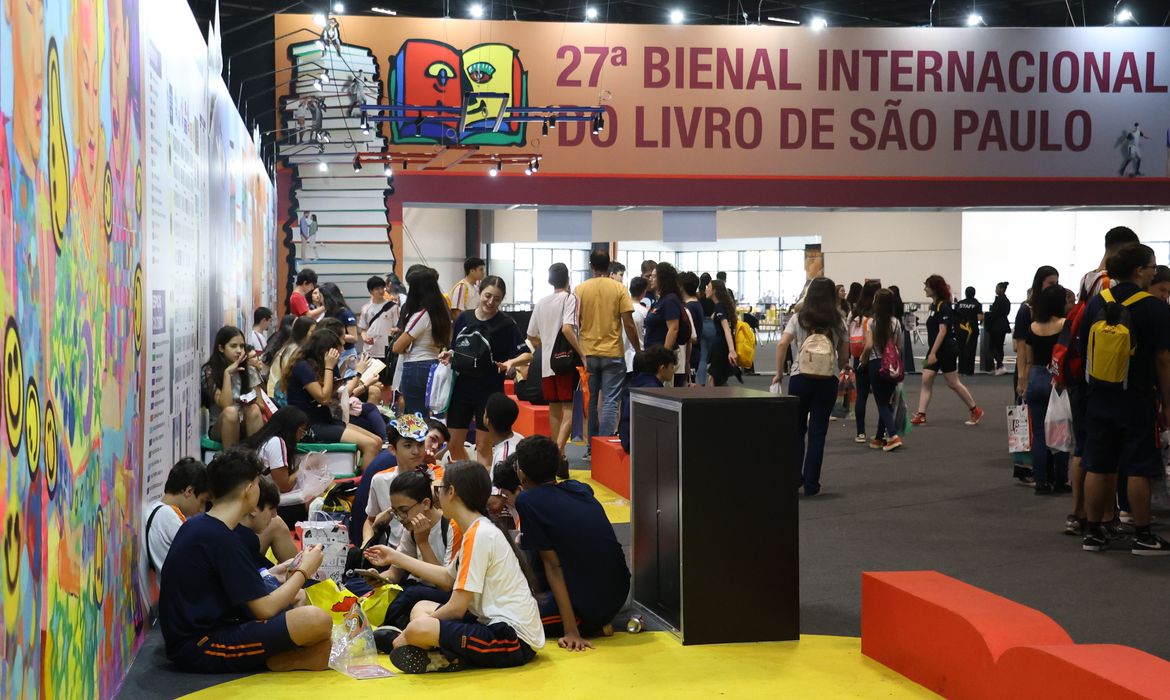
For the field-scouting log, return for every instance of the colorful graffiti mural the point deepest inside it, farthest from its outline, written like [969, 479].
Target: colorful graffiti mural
[72, 389]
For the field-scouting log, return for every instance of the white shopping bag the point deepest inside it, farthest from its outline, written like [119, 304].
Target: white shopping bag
[313, 479]
[1058, 428]
[335, 538]
[1019, 432]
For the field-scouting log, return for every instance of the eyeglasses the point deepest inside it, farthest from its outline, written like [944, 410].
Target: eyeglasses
[403, 513]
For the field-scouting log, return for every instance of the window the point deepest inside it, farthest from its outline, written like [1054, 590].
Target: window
[524, 268]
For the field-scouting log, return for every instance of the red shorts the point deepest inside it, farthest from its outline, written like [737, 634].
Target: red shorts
[559, 388]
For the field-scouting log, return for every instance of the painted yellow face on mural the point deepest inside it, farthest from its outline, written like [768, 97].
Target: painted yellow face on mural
[490, 69]
[119, 87]
[13, 385]
[32, 428]
[27, 19]
[86, 55]
[52, 456]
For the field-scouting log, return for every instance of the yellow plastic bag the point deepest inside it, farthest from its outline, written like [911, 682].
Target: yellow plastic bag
[337, 601]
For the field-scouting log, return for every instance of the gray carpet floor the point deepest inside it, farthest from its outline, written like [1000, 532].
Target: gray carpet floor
[947, 502]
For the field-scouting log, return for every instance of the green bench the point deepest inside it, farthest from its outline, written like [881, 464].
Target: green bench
[342, 458]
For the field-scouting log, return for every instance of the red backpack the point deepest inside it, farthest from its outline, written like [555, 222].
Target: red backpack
[1068, 365]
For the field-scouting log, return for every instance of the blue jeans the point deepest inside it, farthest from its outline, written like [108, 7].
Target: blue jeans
[706, 341]
[883, 396]
[414, 386]
[1036, 395]
[607, 379]
[861, 377]
[817, 396]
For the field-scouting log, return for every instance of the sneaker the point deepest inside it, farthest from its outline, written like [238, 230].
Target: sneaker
[1117, 530]
[412, 659]
[384, 638]
[1094, 542]
[999, 372]
[1126, 518]
[918, 419]
[563, 469]
[892, 444]
[876, 444]
[1072, 526]
[1149, 545]
[976, 416]
[833, 418]
[861, 438]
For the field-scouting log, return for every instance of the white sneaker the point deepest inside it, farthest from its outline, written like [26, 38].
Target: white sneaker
[861, 438]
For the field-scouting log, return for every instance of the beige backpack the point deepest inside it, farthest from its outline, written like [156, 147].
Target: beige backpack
[818, 355]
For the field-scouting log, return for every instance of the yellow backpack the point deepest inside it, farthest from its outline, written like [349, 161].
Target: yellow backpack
[1111, 341]
[745, 344]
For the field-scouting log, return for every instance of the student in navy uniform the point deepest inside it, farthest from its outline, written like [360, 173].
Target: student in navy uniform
[1121, 421]
[583, 561]
[942, 354]
[968, 314]
[663, 325]
[653, 368]
[996, 326]
[210, 575]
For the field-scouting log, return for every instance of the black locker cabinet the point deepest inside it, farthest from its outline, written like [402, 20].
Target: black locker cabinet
[715, 477]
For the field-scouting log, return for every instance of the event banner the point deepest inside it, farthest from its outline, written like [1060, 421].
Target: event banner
[771, 101]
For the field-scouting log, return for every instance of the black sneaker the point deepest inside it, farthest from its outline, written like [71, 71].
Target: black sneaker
[563, 469]
[1150, 545]
[384, 638]
[1091, 542]
[1117, 530]
[1072, 526]
[412, 659]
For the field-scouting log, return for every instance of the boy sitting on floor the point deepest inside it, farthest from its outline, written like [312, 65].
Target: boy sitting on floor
[261, 530]
[499, 415]
[406, 435]
[491, 619]
[210, 575]
[653, 367]
[184, 495]
[583, 561]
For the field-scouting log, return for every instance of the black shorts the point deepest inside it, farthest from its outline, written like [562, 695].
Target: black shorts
[489, 646]
[461, 413]
[1076, 401]
[242, 648]
[325, 433]
[554, 626]
[946, 360]
[1121, 434]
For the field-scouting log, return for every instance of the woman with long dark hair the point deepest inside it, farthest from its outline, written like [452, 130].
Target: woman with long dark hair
[227, 375]
[309, 383]
[471, 392]
[709, 335]
[1046, 276]
[278, 339]
[883, 328]
[335, 307]
[276, 445]
[301, 328]
[1035, 385]
[943, 353]
[664, 321]
[900, 316]
[818, 316]
[859, 321]
[723, 360]
[426, 334]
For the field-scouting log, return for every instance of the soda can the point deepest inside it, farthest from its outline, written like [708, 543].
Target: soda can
[634, 624]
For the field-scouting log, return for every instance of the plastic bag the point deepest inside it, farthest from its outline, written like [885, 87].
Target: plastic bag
[338, 600]
[902, 422]
[1019, 430]
[440, 384]
[334, 537]
[1058, 428]
[313, 479]
[352, 651]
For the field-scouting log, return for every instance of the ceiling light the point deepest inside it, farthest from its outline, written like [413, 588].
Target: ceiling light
[476, 10]
[388, 172]
[677, 16]
[323, 167]
[974, 20]
[590, 13]
[1125, 15]
[357, 164]
[528, 170]
[383, 11]
[544, 128]
[494, 172]
[781, 20]
[818, 23]
[325, 76]
[317, 85]
[320, 45]
[319, 20]
[338, 7]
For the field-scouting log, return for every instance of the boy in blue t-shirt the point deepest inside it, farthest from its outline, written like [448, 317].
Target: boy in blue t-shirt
[583, 561]
[209, 575]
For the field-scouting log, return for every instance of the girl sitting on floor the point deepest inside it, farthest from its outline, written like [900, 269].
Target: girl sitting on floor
[226, 376]
[276, 445]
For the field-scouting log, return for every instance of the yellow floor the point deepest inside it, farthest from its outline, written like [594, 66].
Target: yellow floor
[651, 664]
[617, 509]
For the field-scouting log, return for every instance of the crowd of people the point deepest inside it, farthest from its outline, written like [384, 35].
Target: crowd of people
[494, 545]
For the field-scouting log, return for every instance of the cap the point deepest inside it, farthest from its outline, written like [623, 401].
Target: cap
[411, 426]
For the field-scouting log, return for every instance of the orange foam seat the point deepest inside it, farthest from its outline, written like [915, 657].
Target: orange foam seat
[1081, 671]
[945, 634]
[509, 387]
[532, 420]
[611, 465]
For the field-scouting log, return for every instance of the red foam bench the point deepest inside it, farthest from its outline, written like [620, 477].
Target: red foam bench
[610, 465]
[532, 420]
[944, 634]
[509, 388]
[1081, 671]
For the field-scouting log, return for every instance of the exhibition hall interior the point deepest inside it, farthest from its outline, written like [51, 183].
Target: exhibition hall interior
[585, 348]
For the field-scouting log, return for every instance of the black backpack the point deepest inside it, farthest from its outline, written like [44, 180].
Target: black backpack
[471, 353]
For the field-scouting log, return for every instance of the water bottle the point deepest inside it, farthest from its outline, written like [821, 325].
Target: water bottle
[634, 624]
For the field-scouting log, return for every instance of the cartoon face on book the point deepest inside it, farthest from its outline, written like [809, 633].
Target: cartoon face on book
[431, 73]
